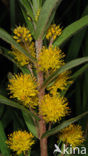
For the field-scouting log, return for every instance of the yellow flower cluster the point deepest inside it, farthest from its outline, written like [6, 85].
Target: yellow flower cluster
[20, 141]
[53, 32]
[23, 88]
[20, 57]
[51, 58]
[61, 82]
[72, 135]
[22, 34]
[53, 108]
[37, 15]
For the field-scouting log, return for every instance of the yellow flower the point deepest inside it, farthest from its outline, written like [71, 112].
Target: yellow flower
[53, 32]
[61, 82]
[22, 34]
[20, 141]
[20, 57]
[53, 108]
[72, 135]
[23, 88]
[51, 58]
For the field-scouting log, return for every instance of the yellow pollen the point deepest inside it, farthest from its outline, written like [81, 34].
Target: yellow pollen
[22, 34]
[24, 88]
[50, 59]
[72, 135]
[53, 32]
[20, 57]
[53, 108]
[20, 141]
[61, 82]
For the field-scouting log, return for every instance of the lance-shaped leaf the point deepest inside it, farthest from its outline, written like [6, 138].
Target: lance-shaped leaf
[14, 104]
[71, 30]
[28, 116]
[30, 124]
[27, 7]
[6, 37]
[45, 14]
[28, 23]
[3, 147]
[63, 125]
[76, 42]
[67, 66]
[36, 5]
[4, 52]
[85, 83]
[80, 71]
[75, 76]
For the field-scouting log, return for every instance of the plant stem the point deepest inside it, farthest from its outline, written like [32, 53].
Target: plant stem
[51, 42]
[42, 124]
[30, 69]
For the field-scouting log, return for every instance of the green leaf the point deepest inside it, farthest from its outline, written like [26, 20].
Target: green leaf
[85, 80]
[50, 20]
[27, 7]
[28, 23]
[7, 117]
[67, 66]
[6, 37]
[71, 30]
[45, 14]
[63, 125]
[3, 147]
[8, 102]
[4, 52]
[76, 41]
[75, 76]
[30, 124]
[80, 71]
[36, 5]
